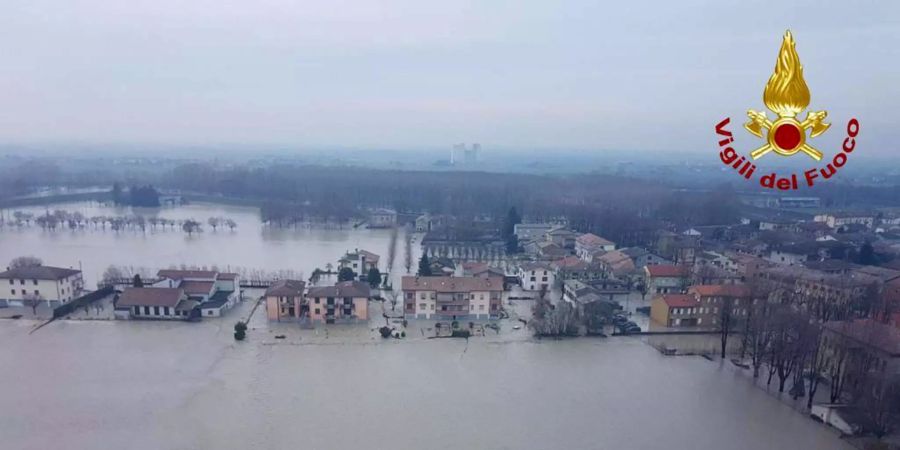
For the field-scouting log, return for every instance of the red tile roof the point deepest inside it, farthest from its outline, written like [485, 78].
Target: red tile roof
[720, 290]
[666, 270]
[680, 300]
[592, 239]
[197, 287]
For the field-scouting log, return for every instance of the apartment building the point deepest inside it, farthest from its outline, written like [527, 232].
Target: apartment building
[452, 298]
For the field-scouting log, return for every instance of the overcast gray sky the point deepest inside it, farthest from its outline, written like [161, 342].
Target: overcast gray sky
[425, 74]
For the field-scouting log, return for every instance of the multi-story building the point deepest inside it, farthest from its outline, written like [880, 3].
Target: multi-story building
[676, 310]
[666, 279]
[837, 220]
[452, 298]
[532, 231]
[360, 261]
[53, 285]
[717, 300]
[861, 347]
[574, 268]
[535, 276]
[285, 300]
[345, 302]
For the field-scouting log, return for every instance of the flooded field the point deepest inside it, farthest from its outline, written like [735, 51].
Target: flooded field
[251, 245]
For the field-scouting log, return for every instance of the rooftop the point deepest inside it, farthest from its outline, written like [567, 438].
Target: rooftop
[452, 284]
[666, 270]
[342, 289]
[150, 296]
[39, 273]
[197, 287]
[286, 288]
[720, 290]
[592, 239]
[680, 300]
[175, 274]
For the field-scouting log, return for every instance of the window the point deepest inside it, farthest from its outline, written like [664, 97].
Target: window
[209, 313]
[317, 302]
[36, 292]
[422, 296]
[422, 305]
[13, 291]
[34, 281]
[156, 310]
[166, 310]
[22, 282]
[317, 309]
[481, 307]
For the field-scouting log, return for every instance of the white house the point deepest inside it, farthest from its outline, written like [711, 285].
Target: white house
[214, 292]
[535, 276]
[360, 261]
[155, 303]
[382, 218]
[55, 285]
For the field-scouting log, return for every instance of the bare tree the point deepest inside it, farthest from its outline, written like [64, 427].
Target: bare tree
[190, 226]
[407, 256]
[878, 397]
[231, 224]
[32, 301]
[111, 275]
[213, 222]
[392, 249]
[25, 261]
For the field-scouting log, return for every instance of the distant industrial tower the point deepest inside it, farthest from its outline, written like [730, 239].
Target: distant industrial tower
[463, 155]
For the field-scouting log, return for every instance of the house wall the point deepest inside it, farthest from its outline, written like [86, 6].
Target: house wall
[53, 291]
[274, 306]
[659, 311]
[480, 304]
[665, 285]
[155, 312]
[538, 275]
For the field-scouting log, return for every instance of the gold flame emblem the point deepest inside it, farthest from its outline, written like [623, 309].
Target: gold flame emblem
[787, 95]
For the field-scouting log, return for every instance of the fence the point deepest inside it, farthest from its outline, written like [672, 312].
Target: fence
[82, 301]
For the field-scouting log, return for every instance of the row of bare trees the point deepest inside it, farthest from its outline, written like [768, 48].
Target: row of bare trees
[782, 337]
[61, 219]
[120, 273]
